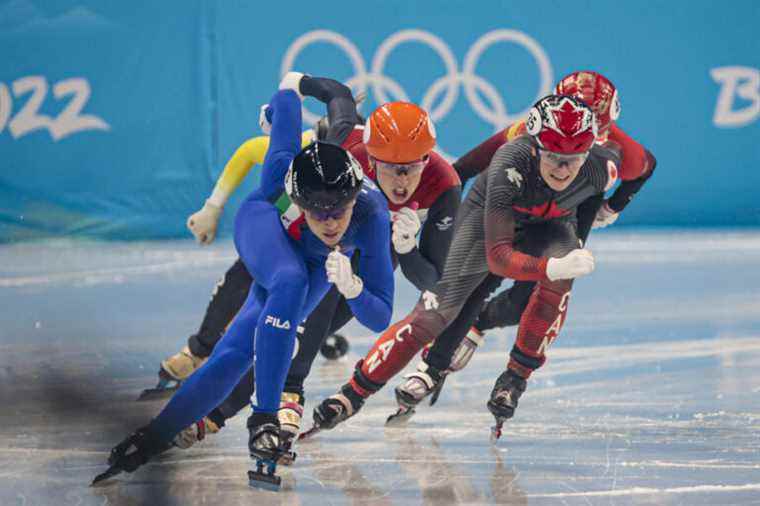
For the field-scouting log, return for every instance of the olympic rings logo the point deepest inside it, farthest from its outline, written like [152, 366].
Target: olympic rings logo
[474, 85]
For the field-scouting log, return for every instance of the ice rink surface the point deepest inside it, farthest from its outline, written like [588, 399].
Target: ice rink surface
[651, 395]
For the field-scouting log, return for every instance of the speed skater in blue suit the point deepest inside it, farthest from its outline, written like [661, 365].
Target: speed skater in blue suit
[295, 235]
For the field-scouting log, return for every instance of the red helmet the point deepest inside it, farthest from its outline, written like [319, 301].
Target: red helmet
[595, 90]
[562, 124]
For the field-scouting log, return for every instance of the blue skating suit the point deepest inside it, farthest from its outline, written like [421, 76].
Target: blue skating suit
[290, 280]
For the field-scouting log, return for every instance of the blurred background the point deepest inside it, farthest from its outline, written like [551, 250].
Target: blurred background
[117, 117]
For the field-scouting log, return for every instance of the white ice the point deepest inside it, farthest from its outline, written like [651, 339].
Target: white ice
[651, 395]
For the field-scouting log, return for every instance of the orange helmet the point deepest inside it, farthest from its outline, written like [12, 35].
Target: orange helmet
[399, 132]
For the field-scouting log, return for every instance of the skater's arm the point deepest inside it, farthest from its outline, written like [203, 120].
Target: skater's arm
[423, 265]
[629, 188]
[374, 305]
[284, 114]
[636, 166]
[478, 158]
[341, 107]
[248, 154]
[504, 185]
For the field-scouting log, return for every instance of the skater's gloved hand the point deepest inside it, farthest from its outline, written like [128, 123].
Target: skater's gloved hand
[339, 272]
[605, 216]
[406, 224]
[265, 119]
[577, 263]
[204, 222]
[292, 81]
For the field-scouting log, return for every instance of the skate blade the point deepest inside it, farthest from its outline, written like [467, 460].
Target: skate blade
[309, 433]
[165, 387]
[437, 391]
[152, 394]
[110, 473]
[264, 481]
[496, 432]
[400, 417]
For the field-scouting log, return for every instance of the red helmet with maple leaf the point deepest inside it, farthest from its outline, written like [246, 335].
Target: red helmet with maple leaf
[597, 92]
[562, 124]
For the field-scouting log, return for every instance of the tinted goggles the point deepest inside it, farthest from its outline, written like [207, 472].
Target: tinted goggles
[401, 169]
[330, 214]
[561, 158]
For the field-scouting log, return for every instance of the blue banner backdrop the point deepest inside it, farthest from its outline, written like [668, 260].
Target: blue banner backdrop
[116, 118]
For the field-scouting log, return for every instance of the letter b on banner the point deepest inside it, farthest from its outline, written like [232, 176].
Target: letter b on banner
[735, 81]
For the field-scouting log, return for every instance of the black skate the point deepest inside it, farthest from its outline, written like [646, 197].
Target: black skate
[418, 385]
[165, 388]
[334, 410]
[265, 449]
[133, 452]
[504, 397]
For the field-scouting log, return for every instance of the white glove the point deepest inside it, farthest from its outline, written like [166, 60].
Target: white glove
[204, 222]
[604, 216]
[338, 268]
[264, 123]
[406, 224]
[575, 264]
[292, 81]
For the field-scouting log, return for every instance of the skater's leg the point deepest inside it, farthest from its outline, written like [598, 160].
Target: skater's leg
[540, 323]
[442, 350]
[226, 300]
[546, 311]
[210, 384]
[311, 335]
[506, 308]
[275, 300]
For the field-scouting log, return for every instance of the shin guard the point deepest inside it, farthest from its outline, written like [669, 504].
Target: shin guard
[539, 326]
[394, 349]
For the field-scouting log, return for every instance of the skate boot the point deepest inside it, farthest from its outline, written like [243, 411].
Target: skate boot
[418, 385]
[504, 396]
[462, 356]
[264, 447]
[289, 415]
[335, 409]
[173, 370]
[134, 451]
[195, 433]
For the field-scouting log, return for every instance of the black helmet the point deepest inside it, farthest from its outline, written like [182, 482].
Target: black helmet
[323, 176]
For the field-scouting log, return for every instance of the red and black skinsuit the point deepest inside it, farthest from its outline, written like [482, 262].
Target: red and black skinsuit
[505, 309]
[509, 225]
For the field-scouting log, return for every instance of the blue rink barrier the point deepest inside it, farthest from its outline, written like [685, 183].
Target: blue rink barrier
[116, 118]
